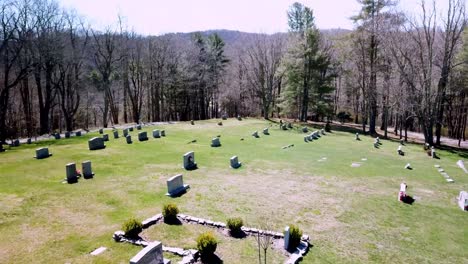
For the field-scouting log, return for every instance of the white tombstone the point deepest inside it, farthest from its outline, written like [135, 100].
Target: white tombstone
[433, 153]
[72, 176]
[408, 166]
[235, 162]
[189, 161]
[96, 143]
[105, 137]
[116, 134]
[265, 131]
[255, 134]
[175, 185]
[129, 139]
[151, 254]
[402, 192]
[462, 166]
[163, 133]
[400, 150]
[357, 136]
[377, 139]
[86, 169]
[286, 237]
[463, 200]
[142, 136]
[156, 133]
[215, 142]
[42, 153]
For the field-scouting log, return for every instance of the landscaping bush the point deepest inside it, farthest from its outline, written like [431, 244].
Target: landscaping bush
[132, 227]
[295, 235]
[234, 224]
[170, 212]
[344, 117]
[206, 244]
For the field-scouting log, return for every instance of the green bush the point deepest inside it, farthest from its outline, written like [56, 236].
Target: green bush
[234, 224]
[344, 117]
[132, 227]
[206, 244]
[170, 212]
[295, 235]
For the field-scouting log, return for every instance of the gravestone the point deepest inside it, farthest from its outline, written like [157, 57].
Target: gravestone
[306, 139]
[402, 193]
[215, 142]
[16, 143]
[189, 161]
[139, 127]
[86, 169]
[235, 162]
[78, 133]
[72, 176]
[29, 141]
[463, 200]
[163, 133]
[286, 237]
[151, 254]
[42, 153]
[175, 185]
[156, 133]
[284, 127]
[239, 118]
[142, 136]
[131, 129]
[125, 132]
[290, 125]
[315, 135]
[105, 137]
[322, 131]
[101, 131]
[357, 136]
[116, 134]
[255, 134]
[220, 123]
[462, 166]
[129, 139]
[96, 143]
[433, 152]
[224, 117]
[408, 166]
[402, 142]
[67, 134]
[57, 135]
[377, 139]
[192, 122]
[376, 145]
[400, 151]
[305, 130]
[266, 132]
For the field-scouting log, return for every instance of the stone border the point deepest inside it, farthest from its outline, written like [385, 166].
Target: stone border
[191, 255]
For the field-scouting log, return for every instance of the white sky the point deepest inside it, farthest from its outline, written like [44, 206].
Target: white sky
[155, 17]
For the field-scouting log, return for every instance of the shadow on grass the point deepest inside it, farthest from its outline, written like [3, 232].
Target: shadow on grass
[211, 259]
[408, 200]
[175, 221]
[239, 234]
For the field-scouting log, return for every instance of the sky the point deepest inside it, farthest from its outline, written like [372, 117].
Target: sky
[156, 17]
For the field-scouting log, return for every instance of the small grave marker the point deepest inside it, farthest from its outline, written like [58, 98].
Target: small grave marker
[235, 162]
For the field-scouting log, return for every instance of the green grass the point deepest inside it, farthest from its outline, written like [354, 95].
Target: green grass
[351, 214]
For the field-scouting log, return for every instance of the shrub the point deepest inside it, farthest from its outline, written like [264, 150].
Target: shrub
[344, 117]
[132, 227]
[170, 212]
[295, 235]
[234, 224]
[206, 244]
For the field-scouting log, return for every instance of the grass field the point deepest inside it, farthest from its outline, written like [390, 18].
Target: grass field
[351, 214]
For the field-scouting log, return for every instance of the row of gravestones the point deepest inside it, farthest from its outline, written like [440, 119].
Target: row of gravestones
[17, 143]
[314, 135]
[97, 143]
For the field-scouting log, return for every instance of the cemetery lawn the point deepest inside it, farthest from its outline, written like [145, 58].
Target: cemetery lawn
[351, 213]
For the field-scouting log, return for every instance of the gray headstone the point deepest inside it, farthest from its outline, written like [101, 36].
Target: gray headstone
[29, 141]
[357, 136]
[129, 139]
[284, 127]
[463, 200]
[224, 117]
[67, 134]
[322, 131]
[175, 185]
[255, 134]
[433, 152]
[151, 254]
[86, 169]
[239, 118]
[96, 143]
[131, 129]
[235, 162]
[215, 142]
[139, 127]
[105, 137]
[189, 161]
[220, 123]
[116, 134]
[125, 132]
[290, 125]
[156, 133]
[305, 129]
[163, 133]
[16, 143]
[462, 166]
[192, 122]
[42, 153]
[286, 237]
[78, 133]
[57, 135]
[142, 136]
[265, 131]
[101, 131]
[72, 176]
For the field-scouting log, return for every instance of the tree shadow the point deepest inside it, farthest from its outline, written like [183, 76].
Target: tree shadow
[172, 221]
[211, 259]
[239, 234]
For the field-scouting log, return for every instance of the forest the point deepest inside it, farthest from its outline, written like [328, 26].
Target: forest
[393, 71]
